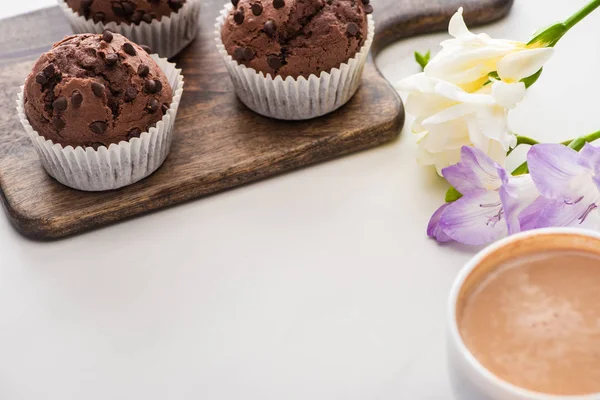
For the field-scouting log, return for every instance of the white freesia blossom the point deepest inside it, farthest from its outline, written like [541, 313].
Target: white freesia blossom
[467, 59]
[465, 92]
[450, 117]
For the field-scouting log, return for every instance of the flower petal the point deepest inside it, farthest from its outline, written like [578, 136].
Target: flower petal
[490, 123]
[516, 194]
[455, 93]
[529, 216]
[508, 94]
[474, 171]
[433, 228]
[560, 213]
[556, 170]
[591, 155]
[475, 219]
[457, 26]
[521, 64]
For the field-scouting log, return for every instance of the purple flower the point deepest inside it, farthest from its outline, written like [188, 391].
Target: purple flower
[491, 203]
[569, 183]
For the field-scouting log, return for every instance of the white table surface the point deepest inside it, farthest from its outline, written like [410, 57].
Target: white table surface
[318, 284]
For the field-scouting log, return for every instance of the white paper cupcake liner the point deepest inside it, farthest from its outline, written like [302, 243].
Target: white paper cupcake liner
[166, 37]
[118, 165]
[295, 99]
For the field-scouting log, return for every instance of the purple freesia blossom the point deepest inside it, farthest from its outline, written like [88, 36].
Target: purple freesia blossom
[569, 183]
[491, 203]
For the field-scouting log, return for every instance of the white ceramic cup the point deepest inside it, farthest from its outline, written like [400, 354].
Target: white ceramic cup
[471, 380]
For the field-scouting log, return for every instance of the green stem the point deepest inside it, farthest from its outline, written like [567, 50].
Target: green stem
[581, 14]
[523, 140]
[577, 144]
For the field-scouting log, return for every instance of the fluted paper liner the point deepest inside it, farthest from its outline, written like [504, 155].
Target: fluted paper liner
[118, 165]
[166, 37]
[295, 99]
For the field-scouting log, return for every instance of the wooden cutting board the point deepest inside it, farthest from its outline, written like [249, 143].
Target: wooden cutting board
[218, 143]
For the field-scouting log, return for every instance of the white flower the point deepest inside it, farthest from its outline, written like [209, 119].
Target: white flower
[449, 118]
[467, 59]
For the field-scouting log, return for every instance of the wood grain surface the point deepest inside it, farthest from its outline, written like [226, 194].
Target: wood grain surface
[218, 143]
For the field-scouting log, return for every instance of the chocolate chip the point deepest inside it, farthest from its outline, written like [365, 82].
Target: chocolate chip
[98, 89]
[143, 70]
[249, 54]
[238, 54]
[60, 104]
[235, 2]
[270, 28]
[86, 4]
[274, 62]
[111, 59]
[99, 17]
[113, 104]
[98, 127]
[130, 94]
[238, 16]
[76, 99]
[150, 126]
[164, 108]
[49, 70]
[150, 86]
[129, 49]
[128, 8]
[137, 16]
[257, 9]
[118, 9]
[147, 17]
[366, 1]
[152, 106]
[41, 78]
[133, 133]
[352, 29]
[158, 86]
[175, 4]
[278, 3]
[368, 9]
[58, 123]
[107, 36]
[147, 49]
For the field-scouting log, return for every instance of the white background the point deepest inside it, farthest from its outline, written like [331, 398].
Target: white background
[318, 284]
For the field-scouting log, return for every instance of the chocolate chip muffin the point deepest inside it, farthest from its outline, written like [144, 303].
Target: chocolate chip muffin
[295, 37]
[125, 11]
[92, 90]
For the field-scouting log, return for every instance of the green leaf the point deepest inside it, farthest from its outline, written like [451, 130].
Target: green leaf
[452, 195]
[423, 59]
[530, 80]
[521, 169]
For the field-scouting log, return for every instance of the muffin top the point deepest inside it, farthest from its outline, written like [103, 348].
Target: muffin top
[93, 90]
[125, 11]
[295, 37]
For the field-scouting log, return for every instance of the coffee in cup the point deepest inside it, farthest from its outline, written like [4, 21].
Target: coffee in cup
[528, 312]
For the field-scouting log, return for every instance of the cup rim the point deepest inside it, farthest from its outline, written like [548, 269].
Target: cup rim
[457, 285]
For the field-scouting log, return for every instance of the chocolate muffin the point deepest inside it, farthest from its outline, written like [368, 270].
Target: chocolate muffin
[92, 90]
[125, 11]
[295, 37]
